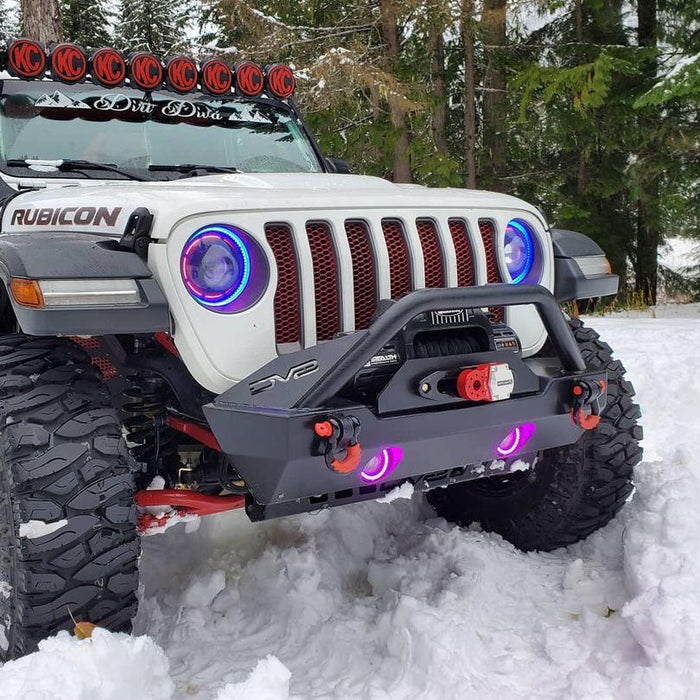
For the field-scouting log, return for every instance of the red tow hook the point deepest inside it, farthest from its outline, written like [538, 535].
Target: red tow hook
[589, 399]
[182, 503]
[336, 436]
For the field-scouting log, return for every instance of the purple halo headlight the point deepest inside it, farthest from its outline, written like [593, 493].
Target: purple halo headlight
[382, 464]
[516, 439]
[519, 250]
[217, 266]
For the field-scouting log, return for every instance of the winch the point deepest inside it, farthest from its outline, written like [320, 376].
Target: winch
[444, 334]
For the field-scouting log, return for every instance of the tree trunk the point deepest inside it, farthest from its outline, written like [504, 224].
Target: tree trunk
[439, 80]
[493, 30]
[578, 11]
[467, 22]
[41, 20]
[401, 164]
[648, 216]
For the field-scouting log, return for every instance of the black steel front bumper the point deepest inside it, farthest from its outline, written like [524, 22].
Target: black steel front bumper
[266, 422]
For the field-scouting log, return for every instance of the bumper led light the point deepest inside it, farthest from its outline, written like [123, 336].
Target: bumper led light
[516, 439]
[382, 464]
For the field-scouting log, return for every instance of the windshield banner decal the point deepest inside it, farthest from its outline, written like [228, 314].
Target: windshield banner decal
[118, 105]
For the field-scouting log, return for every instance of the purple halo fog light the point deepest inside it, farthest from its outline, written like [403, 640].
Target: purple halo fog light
[516, 439]
[382, 464]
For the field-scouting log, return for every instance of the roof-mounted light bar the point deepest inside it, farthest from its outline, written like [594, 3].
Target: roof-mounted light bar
[69, 63]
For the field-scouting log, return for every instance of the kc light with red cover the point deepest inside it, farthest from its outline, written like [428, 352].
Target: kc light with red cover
[68, 63]
[181, 73]
[107, 67]
[250, 79]
[217, 77]
[26, 59]
[280, 81]
[145, 70]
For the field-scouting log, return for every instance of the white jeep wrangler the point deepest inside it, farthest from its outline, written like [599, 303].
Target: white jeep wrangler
[200, 312]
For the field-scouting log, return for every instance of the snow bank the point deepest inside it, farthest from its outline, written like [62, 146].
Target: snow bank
[106, 667]
[385, 601]
[268, 681]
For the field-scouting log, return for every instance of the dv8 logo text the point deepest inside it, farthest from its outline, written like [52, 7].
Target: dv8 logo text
[297, 372]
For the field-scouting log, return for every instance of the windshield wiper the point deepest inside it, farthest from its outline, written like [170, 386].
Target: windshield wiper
[188, 168]
[68, 164]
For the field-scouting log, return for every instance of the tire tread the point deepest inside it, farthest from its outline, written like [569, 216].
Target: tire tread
[63, 458]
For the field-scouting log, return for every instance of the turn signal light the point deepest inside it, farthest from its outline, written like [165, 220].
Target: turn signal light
[27, 292]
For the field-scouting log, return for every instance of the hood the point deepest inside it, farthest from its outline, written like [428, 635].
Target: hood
[105, 207]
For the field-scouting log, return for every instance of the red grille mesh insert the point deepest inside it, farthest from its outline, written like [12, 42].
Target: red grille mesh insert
[363, 272]
[287, 298]
[432, 255]
[399, 262]
[493, 275]
[465, 264]
[325, 280]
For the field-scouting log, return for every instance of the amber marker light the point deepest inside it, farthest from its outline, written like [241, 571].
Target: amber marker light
[27, 292]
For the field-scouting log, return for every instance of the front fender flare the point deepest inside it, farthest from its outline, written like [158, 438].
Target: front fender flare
[80, 256]
[571, 251]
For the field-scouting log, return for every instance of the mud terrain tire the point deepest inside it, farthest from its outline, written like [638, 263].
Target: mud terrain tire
[68, 543]
[573, 490]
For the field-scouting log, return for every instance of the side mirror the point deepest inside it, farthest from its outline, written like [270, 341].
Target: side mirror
[337, 165]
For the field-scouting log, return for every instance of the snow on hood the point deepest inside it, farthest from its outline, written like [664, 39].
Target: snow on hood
[174, 200]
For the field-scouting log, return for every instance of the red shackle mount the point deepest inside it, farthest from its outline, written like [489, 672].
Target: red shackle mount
[589, 400]
[337, 440]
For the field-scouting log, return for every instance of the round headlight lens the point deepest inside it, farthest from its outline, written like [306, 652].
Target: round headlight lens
[519, 250]
[216, 266]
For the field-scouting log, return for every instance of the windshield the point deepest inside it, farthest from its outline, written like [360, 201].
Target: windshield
[133, 130]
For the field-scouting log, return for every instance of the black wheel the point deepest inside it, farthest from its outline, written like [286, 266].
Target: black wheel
[572, 491]
[68, 543]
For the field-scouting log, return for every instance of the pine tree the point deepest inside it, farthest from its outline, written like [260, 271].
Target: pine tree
[570, 127]
[85, 22]
[152, 25]
[8, 22]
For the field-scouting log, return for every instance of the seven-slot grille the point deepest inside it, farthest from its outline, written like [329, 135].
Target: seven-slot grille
[329, 264]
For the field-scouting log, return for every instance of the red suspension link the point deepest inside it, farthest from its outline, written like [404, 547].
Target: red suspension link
[195, 431]
[191, 501]
[179, 503]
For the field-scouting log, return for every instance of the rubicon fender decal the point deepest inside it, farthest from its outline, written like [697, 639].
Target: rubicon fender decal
[66, 216]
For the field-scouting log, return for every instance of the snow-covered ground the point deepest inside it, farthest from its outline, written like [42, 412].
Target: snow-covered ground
[382, 600]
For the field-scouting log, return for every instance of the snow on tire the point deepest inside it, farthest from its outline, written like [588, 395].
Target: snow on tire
[573, 490]
[68, 543]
